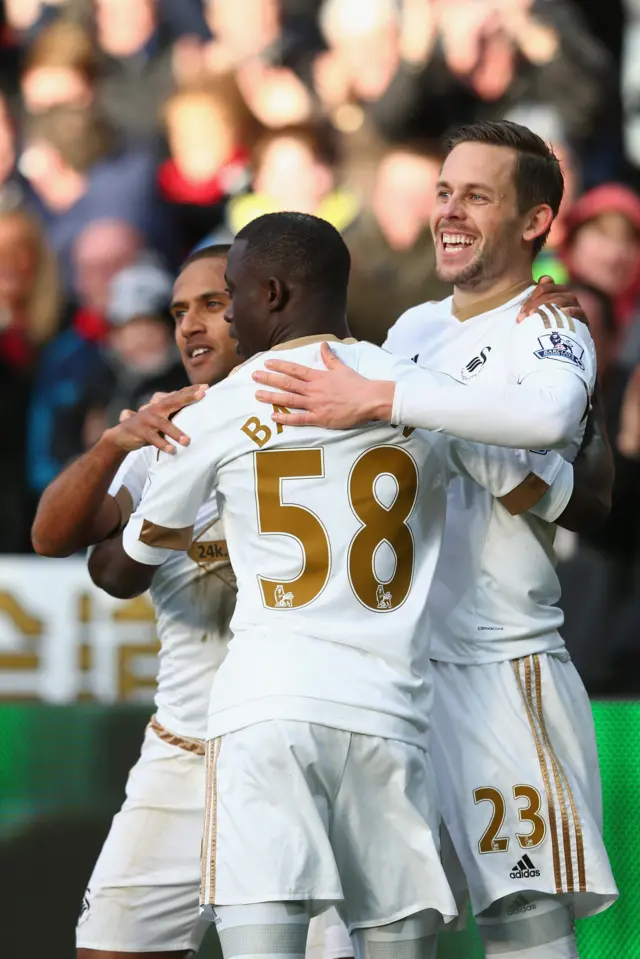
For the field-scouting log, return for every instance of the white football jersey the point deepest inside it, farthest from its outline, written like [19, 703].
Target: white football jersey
[194, 597]
[333, 536]
[496, 589]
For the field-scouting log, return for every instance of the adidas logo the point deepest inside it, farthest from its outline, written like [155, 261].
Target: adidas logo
[520, 904]
[524, 869]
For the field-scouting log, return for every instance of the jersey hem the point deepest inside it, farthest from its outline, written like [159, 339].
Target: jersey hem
[350, 719]
[480, 654]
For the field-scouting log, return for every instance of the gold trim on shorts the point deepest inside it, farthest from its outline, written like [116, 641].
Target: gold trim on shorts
[562, 808]
[209, 838]
[182, 742]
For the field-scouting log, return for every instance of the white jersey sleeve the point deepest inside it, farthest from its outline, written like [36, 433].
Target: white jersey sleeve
[544, 414]
[132, 477]
[177, 486]
[549, 341]
[501, 470]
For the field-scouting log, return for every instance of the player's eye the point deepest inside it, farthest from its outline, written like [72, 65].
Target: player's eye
[443, 194]
[179, 315]
[215, 305]
[477, 197]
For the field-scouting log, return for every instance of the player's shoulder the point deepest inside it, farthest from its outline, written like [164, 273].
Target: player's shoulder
[550, 318]
[412, 322]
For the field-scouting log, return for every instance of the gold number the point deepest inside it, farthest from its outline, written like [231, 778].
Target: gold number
[531, 815]
[490, 842]
[379, 524]
[274, 516]
[382, 525]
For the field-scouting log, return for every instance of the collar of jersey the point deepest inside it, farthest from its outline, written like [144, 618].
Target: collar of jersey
[307, 340]
[292, 344]
[490, 302]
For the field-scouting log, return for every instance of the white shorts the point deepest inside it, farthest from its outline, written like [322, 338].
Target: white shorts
[514, 750]
[297, 811]
[143, 893]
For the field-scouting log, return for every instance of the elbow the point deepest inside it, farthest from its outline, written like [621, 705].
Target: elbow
[110, 580]
[46, 545]
[597, 515]
[556, 432]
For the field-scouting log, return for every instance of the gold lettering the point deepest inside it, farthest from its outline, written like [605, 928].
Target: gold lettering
[257, 431]
[280, 409]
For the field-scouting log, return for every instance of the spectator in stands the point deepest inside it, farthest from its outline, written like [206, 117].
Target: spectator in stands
[140, 352]
[602, 247]
[74, 359]
[208, 133]
[30, 302]
[383, 64]
[136, 74]
[59, 68]
[295, 170]
[392, 256]
[78, 174]
[11, 191]
[29, 313]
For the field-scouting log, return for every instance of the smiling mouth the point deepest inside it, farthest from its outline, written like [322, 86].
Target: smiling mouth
[453, 244]
[198, 352]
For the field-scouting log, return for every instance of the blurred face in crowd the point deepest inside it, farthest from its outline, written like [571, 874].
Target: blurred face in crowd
[479, 235]
[290, 175]
[7, 142]
[403, 195]
[143, 344]
[201, 136]
[202, 334]
[605, 252]
[124, 26]
[102, 250]
[45, 87]
[366, 40]
[18, 260]
[244, 28]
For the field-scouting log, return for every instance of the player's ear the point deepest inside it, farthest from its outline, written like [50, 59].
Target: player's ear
[537, 222]
[278, 294]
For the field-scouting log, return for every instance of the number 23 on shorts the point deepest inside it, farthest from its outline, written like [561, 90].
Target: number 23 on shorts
[491, 840]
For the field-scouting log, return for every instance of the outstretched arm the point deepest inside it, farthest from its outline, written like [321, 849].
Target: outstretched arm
[75, 510]
[545, 413]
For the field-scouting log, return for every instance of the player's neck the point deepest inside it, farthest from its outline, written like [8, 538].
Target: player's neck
[310, 327]
[495, 292]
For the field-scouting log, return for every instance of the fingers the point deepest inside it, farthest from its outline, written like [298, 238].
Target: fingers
[159, 430]
[279, 382]
[185, 397]
[294, 419]
[329, 358]
[283, 399]
[126, 415]
[294, 370]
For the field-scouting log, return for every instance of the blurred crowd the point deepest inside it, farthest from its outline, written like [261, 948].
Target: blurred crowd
[133, 130]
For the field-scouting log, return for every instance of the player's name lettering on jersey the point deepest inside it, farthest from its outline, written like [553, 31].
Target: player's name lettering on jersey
[261, 434]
